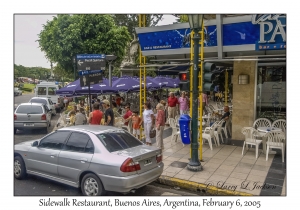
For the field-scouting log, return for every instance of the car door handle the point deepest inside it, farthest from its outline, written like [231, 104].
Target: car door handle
[53, 155]
[83, 160]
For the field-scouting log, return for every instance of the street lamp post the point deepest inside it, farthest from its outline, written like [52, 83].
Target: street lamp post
[195, 21]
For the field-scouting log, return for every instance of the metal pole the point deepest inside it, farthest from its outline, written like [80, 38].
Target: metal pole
[194, 164]
[201, 90]
[109, 81]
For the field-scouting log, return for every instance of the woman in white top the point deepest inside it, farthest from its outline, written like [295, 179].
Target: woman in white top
[148, 119]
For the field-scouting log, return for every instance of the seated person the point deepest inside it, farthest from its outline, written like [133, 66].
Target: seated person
[225, 116]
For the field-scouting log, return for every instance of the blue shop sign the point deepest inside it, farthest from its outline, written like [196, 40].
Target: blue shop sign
[266, 32]
[175, 39]
[272, 30]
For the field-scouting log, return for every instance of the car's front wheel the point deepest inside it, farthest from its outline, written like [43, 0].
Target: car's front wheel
[19, 168]
[91, 185]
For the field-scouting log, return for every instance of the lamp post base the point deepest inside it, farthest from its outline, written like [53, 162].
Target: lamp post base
[194, 167]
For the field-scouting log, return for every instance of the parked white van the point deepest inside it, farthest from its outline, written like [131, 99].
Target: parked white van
[48, 90]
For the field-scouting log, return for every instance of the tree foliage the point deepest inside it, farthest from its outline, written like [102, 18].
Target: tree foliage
[31, 72]
[67, 35]
[132, 20]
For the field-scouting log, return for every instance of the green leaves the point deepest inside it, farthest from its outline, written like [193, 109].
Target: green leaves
[67, 35]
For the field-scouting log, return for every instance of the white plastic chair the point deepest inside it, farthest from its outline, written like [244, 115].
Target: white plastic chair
[276, 140]
[250, 138]
[281, 123]
[177, 118]
[211, 133]
[220, 129]
[261, 122]
[175, 130]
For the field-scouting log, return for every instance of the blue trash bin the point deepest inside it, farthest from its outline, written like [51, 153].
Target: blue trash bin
[184, 126]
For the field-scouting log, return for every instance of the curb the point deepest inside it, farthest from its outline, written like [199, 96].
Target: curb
[198, 187]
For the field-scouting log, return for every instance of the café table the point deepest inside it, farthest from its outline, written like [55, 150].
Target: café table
[263, 131]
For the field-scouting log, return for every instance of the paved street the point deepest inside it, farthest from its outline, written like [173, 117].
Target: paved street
[35, 134]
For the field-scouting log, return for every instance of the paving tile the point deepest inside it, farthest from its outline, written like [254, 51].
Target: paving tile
[216, 160]
[173, 169]
[167, 153]
[277, 182]
[172, 158]
[203, 174]
[258, 173]
[255, 192]
[226, 167]
[268, 193]
[185, 171]
[170, 174]
[242, 170]
[185, 160]
[210, 169]
[283, 193]
[255, 178]
[233, 159]
[235, 155]
[246, 160]
[222, 172]
[183, 176]
[237, 175]
[183, 152]
[263, 163]
[178, 164]
[235, 181]
[167, 163]
[245, 165]
[212, 165]
[197, 179]
[280, 171]
[216, 178]
[261, 168]
[229, 163]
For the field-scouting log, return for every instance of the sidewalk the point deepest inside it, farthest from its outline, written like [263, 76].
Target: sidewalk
[225, 170]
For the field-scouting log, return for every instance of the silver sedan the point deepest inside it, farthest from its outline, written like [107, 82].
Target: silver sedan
[93, 157]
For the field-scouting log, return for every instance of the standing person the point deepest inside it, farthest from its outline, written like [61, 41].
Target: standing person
[126, 117]
[204, 102]
[148, 120]
[160, 125]
[109, 113]
[66, 102]
[96, 115]
[81, 104]
[183, 103]
[80, 118]
[165, 109]
[172, 102]
[127, 114]
[136, 120]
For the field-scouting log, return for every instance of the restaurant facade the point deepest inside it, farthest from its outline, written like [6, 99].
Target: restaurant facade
[253, 47]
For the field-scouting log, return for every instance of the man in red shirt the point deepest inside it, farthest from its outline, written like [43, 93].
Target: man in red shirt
[172, 102]
[96, 115]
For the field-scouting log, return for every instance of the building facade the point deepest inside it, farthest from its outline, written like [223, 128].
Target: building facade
[253, 46]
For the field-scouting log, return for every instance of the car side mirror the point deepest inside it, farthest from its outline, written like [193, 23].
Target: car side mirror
[35, 144]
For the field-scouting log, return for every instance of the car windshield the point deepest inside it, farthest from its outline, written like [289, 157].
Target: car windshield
[29, 109]
[16, 88]
[116, 141]
[38, 100]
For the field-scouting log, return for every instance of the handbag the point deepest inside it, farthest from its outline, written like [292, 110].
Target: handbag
[152, 133]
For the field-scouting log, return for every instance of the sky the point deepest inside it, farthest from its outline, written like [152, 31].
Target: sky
[27, 28]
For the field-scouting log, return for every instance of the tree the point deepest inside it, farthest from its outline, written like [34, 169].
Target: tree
[67, 35]
[132, 20]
